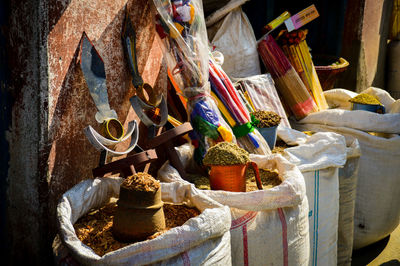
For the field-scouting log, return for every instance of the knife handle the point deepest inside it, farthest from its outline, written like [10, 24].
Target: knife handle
[129, 43]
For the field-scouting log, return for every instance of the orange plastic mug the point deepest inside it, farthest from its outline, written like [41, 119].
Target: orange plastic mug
[232, 177]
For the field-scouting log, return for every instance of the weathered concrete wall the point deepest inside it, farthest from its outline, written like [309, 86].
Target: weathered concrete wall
[375, 34]
[49, 151]
[24, 223]
[364, 43]
[5, 123]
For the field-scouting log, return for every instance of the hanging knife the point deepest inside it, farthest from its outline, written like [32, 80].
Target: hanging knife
[139, 102]
[93, 70]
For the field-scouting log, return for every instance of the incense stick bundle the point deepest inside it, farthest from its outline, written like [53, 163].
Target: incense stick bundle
[246, 102]
[295, 48]
[233, 107]
[286, 78]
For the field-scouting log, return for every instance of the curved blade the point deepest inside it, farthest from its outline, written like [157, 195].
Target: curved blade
[139, 106]
[129, 43]
[100, 143]
[95, 75]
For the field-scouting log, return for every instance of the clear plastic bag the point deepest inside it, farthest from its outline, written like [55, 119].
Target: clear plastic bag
[187, 46]
[262, 92]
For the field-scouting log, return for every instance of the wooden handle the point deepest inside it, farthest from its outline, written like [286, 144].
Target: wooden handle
[124, 166]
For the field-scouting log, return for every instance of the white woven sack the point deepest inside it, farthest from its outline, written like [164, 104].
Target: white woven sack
[319, 157]
[339, 98]
[347, 199]
[377, 210]
[236, 41]
[269, 227]
[202, 240]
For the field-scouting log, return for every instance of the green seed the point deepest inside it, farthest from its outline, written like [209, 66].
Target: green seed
[266, 118]
[226, 153]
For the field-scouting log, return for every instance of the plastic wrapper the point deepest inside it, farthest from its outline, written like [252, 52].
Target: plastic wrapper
[182, 22]
[287, 81]
[209, 127]
[263, 95]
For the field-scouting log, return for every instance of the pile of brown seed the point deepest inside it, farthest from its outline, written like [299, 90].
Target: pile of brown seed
[201, 182]
[280, 146]
[177, 215]
[226, 153]
[266, 118]
[269, 179]
[141, 182]
[95, 228]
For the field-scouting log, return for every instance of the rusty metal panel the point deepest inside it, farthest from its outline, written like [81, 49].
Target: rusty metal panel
[71, 157]
[48, 150]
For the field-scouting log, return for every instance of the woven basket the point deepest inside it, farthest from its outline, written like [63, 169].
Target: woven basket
[327, 72]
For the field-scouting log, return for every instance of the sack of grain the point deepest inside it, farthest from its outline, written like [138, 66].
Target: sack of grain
[377, 211]
[347, 200]
[268, 226]
[330, 191]
[202, 240]
[233, 36]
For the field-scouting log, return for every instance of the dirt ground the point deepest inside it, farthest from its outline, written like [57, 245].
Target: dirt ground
[385, 252]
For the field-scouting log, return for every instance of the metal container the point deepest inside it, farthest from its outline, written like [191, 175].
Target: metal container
[269, 134]
[139, 214]
[375, 108]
